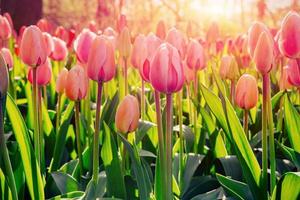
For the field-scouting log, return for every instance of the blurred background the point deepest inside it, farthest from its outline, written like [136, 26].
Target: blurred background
[142, 16]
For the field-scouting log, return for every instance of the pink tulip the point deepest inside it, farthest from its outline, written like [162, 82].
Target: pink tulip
[5, 28]
[127, 115]
[45, 25]
[61, 81]
[263, 54]
[289, 39]
[176, 38]
[76, 83]
[161, 30]
[7, 57]
[4, 77]
[60, 51]
[195, 56]
[139, 51]
[284, 83]
[93, 26]
[246, 95]
[121, 23]
[33, 49]
[212, 33]
[44, 74]
[294, 73]
[49, 43]
[101, 62]
[82, 45]
[166, 70]
[228, 67]
[189, 74]
[124, 43]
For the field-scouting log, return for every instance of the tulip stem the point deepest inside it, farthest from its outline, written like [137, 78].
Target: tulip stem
[45, 96]
[58, 113]
[96, 135]
[41, 137]
[5, 154]
[143, 100]
[197, 137]
[35, 116]
[161, 142]
[78, 139]
[181, 148]
[246, 113]
[169, 125]
[125, 76]
[232, 91]
[264, 133]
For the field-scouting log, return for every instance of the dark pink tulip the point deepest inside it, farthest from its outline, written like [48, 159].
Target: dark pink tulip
[101, 62]
[246, 95]
[76, 83]
[82, 45]
[49, 43]
[195, 56]
[161, 30]
[166, 70]
[293, 73]
[219, 46]
[176, 38]
[60, 51]
[139, 51]
[7, 57]
[289, 39]
[33, 49]
[5, 28]
[44, 74]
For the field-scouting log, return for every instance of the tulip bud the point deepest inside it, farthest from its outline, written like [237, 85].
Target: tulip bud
[60, 51]
[121, 23]
[175, 38]
[82, 45]
[294, 73]
[101, 62]
[289, 38]
[49, 43]
[76, 84]
[4, 77]
[127, 115]
[284, 83]
[161, 30]
[228, 68]
[61, 81]
[5, 28]
[253, 35]
[139, 51]
[124, 43]
[263, 54]
[166, 70]
[33, 49]
[246, 95]
[7, 57]
[189, 74]
[44, 74]
[212, 33]
[195, 55]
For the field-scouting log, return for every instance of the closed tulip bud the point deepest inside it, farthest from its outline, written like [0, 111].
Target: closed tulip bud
[44, 74]
[33, 49]
[101, 62]
[228, 68]
[61, 81]
[289, 39]
[294, 73]
[263, 54]
[7, 57]
[121, 23]
[195, 56]
[60, 51]
[4, 77]
[82, 45]
[76, 83]
[161, 30]
[5, 28]
[253, 35]
[175, 38]
[246, 95]
[152, 43]
[49, 43]
[284, 83]
[166, 70]
[124, 43]
[139, 51]
[127, 115]
[212, 33]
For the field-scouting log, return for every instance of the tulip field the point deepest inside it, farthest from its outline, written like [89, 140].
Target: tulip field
[118, 112]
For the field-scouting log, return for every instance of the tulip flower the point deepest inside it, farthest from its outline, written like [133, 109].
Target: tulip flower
[127, 115]
[4, 77]
[5, 28]
[61, 81]
[289, 38]
[7, 57]
[82, 45]
[212, 33]
[175, 38]
[33, 48]
[45, 26]
[161, 30]
[228, 68]
[44, 74]
[284, 83]
[293, 73]
[121, 23]
[49, 43]
[139, 51]
[60, 51]
[195, 56]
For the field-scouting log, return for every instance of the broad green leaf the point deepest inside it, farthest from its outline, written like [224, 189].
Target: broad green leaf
[276, 98]
[32, 175]
[143, 128]
[288, 187]
[290, 154]
[5, 192]
[70, 195]
[65, 183]
[93, 192]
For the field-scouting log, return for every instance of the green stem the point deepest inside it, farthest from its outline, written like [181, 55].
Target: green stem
[264, 134]
[143, 100]
[5, 155]
[45, 96]
[161, 142]
[232, 91]
[78, 139]
[169, 125]
[125, 76]
[41, 136]
[280, 117]
[36, 135]
[246, 123]
[57, 113]
[181, 148]
[96, 135]
[195, 112]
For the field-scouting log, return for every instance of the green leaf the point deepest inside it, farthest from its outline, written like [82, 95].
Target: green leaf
[65, 183]
[109, 155]
[276, 98]
[288, 187]
[143, 128]
[70, 195]
[32, 175]
[290, 154]
[292, 123]
[93, 192]
[235, 188]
